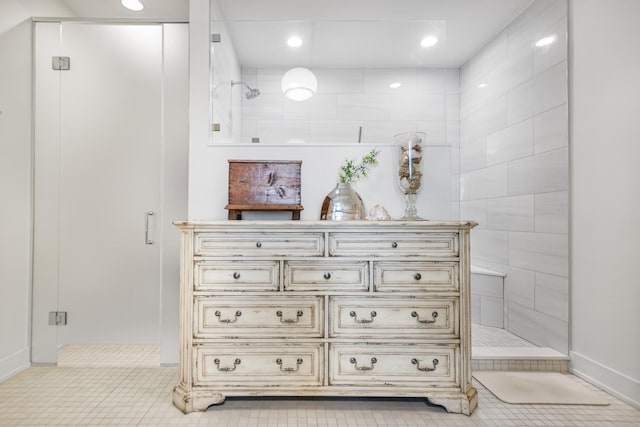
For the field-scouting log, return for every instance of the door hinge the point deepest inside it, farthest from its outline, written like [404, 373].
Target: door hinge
[216, 38]
[57, 318]
[61, 63]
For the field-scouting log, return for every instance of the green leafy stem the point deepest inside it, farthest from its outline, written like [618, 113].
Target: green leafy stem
[351, 172]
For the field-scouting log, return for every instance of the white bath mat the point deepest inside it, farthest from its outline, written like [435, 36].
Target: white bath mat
[549, 388]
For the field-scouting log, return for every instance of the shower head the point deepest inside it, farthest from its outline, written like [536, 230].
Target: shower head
[250, 93]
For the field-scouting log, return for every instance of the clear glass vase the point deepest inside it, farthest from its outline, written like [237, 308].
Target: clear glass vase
[408, 149]
[342, 203]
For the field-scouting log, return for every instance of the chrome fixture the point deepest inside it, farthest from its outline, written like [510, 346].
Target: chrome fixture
[250, 93]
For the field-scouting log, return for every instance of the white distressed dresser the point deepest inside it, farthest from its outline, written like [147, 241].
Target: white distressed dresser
[324, 308]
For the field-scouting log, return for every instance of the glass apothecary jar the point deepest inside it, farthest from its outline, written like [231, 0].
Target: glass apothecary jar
[408, 147]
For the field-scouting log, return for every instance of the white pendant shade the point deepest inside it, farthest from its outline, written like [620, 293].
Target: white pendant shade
[134, 5]
[299, 84]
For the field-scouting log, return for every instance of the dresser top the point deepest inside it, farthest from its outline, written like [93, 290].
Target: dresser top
[343, 226]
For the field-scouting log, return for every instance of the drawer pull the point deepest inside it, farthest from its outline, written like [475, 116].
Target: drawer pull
[299, 314]
[236, 275]
[355, 317]
[234, 320]
[298, 363]
[394, 245]
[327, 276]
[434, 315]
[226, 368]
[417, 276]
[363, 368]
[258, 244]
[426, 369]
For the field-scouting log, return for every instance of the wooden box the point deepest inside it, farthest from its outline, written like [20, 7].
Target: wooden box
[264, 185]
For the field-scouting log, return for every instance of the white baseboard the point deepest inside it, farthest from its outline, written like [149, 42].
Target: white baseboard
[616, 383]
[14, 363]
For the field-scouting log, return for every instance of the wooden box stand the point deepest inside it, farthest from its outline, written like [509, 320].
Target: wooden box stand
[264, 185]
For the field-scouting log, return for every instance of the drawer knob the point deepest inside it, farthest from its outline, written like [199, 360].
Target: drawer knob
[327, 275]
[234, 320]
[363, 368]
[236, 275]
[258, 244]
[426, 368]
[417, 276]
[434, 315]
[394, 244]
[226, 368]
[299, 314]
[290, 369]
[355, 317]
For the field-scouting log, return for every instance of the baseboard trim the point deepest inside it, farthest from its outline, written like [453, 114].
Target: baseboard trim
[14, 364]
[613, 382]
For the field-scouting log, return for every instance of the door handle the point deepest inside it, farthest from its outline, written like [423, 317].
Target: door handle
[147, 215]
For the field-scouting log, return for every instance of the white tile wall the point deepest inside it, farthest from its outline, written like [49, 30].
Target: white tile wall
[511, 143]
[540, 173]
[484, 183]
[550, 88]
[538, 327]
[542, 252]
[490, 245]
[427, 101]
[552, 212]
[518, 123]
[550, 129]
[364, 106]
[514, 213]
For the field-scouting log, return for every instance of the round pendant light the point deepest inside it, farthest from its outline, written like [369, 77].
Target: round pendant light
[134, 5]
[299, 84]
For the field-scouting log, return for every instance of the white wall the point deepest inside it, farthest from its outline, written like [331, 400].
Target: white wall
[515, 171]
[605, 196]
[15, 178]
[15, 193]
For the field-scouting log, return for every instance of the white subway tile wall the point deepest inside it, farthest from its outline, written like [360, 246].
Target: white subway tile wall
[352, 98]
[514, 168]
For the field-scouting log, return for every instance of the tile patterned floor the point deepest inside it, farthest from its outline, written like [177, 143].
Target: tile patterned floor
[64, 396]
[486, 336]
[123, 385]
[109, 356]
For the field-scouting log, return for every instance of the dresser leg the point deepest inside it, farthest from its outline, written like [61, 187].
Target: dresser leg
[457, 403]
[191, 402]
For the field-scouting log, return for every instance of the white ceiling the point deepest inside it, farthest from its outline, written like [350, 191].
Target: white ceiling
[112, 9]
[339, 33]
[356, 33]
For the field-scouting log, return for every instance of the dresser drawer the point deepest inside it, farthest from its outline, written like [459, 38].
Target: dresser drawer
[393, 365]
[393, 317]
[412, 277]
[258, 364]
[236, 276]
[393, 244]
[217, 317]
[326, 276]
[259, 244]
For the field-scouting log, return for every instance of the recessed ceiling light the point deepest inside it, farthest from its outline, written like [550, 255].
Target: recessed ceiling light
[429, 41]
[546, 41]
[134, 5]
[294, 41]
[395, 85]
[482, 85]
